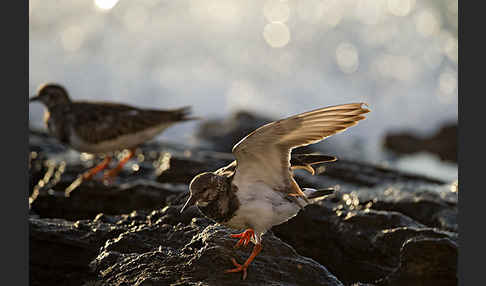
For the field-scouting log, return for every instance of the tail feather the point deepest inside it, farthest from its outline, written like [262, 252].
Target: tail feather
[305, 161]
[317, 195]
[182, 114]
[311, 196]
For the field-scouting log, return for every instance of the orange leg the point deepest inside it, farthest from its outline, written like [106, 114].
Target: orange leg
[109, 175]
[245, 237]
[93, 171]
[256, 249]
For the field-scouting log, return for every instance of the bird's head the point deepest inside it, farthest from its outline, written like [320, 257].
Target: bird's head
[51, 94]
[204, 189]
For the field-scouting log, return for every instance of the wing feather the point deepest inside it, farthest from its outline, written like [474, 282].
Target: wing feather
[264, 154]
[97, 122]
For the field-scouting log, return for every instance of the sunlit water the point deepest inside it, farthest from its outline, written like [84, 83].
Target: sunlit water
[273, 57]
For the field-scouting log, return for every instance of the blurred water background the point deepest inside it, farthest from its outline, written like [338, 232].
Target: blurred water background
[275, 58]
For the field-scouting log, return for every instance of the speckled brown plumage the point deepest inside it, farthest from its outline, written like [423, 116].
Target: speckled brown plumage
[223, 206]
[96, 122]
[102, 127]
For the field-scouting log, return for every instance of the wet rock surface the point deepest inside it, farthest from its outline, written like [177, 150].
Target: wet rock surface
[158, 248]
[382, 227]
[418, 256]
[188, 254]
[355, 245]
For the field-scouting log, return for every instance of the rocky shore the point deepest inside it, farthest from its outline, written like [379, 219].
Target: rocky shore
[381, 227]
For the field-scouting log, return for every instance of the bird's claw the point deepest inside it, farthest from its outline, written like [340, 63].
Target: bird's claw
[245, 237]
[239, 268]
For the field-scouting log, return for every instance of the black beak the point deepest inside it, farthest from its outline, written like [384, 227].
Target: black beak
[34, 98]
[191, 201]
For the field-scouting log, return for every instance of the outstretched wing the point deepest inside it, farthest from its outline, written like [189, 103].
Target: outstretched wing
[264, 155]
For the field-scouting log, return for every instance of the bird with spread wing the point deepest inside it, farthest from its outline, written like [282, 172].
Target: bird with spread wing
[258, 191]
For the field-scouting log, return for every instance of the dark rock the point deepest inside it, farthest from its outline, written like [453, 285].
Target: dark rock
[443, 143]
[356, 245]
[60, 251]
[366, 234]
[369, 175]
[431, 212]
[358, 233]
[53, 170]
[425, 261]
[110, 251]
[92, 198]
[198, 254]
[426, 200]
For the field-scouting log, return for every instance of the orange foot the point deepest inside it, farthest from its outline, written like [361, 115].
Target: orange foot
[108, 176]
[245, 237]
[88, 175]
[242, 268]
[239, 268]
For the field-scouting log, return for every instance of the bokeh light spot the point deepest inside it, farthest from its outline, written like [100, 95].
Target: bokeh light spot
[86, 156]
[276, 34]
[448, 82]
[105, 5]
[347, 57]
[427, 23]
[451, 48]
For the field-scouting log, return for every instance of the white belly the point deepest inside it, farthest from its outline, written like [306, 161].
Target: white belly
[121, 142]
[261, 208]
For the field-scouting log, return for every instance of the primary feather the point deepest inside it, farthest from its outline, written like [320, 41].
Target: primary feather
[264, 155]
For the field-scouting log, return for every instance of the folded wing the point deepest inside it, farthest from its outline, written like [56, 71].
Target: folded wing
[107, 121]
